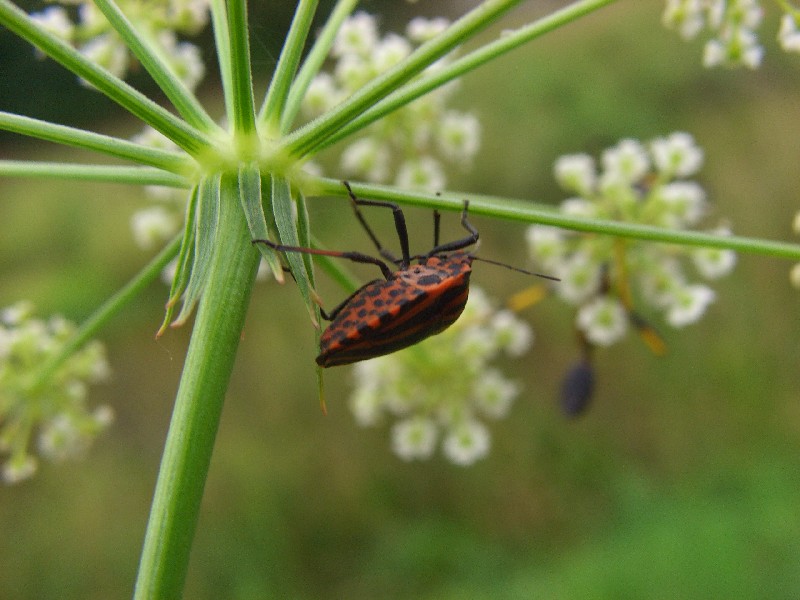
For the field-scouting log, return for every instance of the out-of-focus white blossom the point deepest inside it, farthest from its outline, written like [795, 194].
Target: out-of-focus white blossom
[158, 20]
[439, 389]
[733, 26]
[602, 277]
[411, 146]
[53, 410]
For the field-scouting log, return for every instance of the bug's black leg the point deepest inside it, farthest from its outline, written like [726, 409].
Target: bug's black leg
[399, 224]
[471, 239]
[437, 218]
[354, 256]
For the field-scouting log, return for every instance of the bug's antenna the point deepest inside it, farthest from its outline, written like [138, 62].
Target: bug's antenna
[517, 269]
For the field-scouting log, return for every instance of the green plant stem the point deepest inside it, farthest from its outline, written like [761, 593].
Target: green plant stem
[108, 310]
[190, 440]
[528, 212]
[97, 173]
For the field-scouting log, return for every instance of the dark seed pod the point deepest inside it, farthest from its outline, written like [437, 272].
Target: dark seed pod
[577, 388]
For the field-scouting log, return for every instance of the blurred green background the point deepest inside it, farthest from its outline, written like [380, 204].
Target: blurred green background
[682, 481]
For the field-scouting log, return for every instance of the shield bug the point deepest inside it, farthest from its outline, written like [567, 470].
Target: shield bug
[421, 296]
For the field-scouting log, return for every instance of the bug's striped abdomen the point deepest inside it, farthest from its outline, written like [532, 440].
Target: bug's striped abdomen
[385, 316]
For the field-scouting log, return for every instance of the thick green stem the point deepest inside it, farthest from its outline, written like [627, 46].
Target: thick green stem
[187, 454]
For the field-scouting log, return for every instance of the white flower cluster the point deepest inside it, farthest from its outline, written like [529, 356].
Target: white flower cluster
[601, 275]
[440, 388]
[54, 410]
[401, 147]
[160, 20]
[733, 24]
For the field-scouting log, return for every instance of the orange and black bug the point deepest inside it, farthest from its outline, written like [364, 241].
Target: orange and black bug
[411, 303]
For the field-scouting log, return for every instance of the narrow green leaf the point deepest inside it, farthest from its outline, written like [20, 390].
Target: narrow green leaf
[183, 268]
[283, 208]
[250, 198]
[208, 201]
[153, 61]
[185, 136]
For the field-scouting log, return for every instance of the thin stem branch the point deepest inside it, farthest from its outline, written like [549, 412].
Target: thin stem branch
[174, 162]
[527, 212]
[275, 100]
[96, 173]
[243, 117]
[313, 62]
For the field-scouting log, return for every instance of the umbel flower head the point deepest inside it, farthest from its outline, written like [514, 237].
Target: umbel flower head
[439, 391]
[605, 277]
[411, 146]
[52, 411]
[733, 24]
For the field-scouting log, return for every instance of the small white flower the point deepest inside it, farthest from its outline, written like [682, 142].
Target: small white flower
[390, 51]
[677, 155]
[153, 226]
[789, 33]
[684, 15]
[494, 394]
[18, 469]
[55, 20]
[545, 244]
[713, 263]
[459, 135]
[580, 278]
[603, 321]
[420, 29]
[414, 438]
[511, 334]
[423, 173]
[466, 443]
[107, 51]
[576, 173]
[357, 35]
[714, 54]
[627, 162]
[685, 201]
[368, 158]
[322, 95]
[579, 207]
[688, 305]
